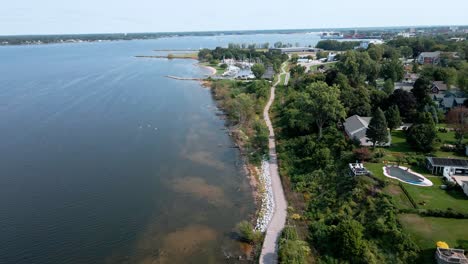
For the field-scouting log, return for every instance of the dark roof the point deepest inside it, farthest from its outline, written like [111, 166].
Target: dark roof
[440, 85]
[448, 162]
[269, 73]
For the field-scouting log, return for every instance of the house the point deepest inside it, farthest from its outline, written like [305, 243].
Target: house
[269, 73]
[438, 87]
[295, 50]
[429, 58]
[450, 255]
[447, 166]
[356, 128]
[448, 100]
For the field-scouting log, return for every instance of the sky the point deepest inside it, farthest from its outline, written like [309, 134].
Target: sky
[18, 17]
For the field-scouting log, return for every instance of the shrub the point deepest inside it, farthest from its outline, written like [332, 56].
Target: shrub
[362, 154]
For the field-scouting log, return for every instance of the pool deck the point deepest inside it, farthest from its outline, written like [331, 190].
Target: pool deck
[425, 183]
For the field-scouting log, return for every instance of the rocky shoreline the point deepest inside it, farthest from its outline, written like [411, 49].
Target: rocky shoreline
[265, 212]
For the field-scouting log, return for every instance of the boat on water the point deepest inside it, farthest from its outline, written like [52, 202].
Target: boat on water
[331, 35]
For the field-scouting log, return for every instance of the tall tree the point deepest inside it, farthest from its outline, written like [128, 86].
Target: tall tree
[258, 70]
[457, 118]
[393, 117]
[389, 86]
[405, 101]
[320, 104]
[377, 130]
[421, 90]
[422, 134]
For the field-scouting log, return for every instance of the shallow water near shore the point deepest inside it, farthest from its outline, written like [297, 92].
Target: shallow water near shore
[104, 160]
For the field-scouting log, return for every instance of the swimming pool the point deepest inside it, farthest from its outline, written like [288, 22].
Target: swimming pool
[406, 175]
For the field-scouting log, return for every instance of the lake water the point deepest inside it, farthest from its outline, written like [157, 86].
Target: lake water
[104, 160]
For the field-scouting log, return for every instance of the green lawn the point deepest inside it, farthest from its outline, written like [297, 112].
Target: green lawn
[426, 231]
[436, 198]
[425, 197]
[399, 198]
[399, 142]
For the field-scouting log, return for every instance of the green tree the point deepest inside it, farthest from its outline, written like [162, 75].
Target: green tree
[349, 239]
[291, 249]
[243, 108]
[392, 69]
[320, 104]
[377, 130]
[393, 117]
[294, 58]
[422, 134]
[258, 70]
[389, 86]
[421, 89]
[247, 232]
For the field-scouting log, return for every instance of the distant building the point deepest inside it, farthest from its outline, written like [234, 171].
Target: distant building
[295, 50]
[450, 255]
[269, 73]
[356, 128]
[331, 56]
[438, 87]
[429, 58]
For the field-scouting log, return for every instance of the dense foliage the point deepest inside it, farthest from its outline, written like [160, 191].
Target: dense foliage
[243, 103]
[336, 45]
[350, 219]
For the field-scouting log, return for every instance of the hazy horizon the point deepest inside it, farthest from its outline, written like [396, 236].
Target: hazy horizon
[51, 17]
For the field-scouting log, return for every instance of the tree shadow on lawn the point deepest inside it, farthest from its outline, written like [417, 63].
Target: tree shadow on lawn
[462, 244]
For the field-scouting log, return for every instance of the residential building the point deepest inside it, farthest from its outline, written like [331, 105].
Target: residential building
[429, 58]
[438, 86]
[438, 166]
[295, 50]
[450, 255]
[356, 128]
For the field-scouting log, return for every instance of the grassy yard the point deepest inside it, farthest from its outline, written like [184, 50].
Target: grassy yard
[426, 231]
[399, 198]
[436, 198]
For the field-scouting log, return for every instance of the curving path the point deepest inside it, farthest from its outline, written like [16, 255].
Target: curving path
[269, 252]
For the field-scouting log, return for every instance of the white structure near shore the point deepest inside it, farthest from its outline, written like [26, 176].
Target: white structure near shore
[268, 203]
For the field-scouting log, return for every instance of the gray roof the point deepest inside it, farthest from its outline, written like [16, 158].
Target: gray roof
[448, 102]
[460, 101]
[356, 126]
[448, 162]
[433, 54]
[440, 85]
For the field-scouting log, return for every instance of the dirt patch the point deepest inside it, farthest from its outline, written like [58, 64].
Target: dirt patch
[199, 188]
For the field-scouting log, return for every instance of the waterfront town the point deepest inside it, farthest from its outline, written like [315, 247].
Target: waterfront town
[290, 146]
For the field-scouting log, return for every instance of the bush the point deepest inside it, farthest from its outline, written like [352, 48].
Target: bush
[449, 213]
[362, 154]
[247, 232]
